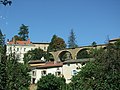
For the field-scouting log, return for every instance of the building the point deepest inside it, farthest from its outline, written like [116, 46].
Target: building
[22, 47]
[114, 40]
[41, 69]
[66, 69]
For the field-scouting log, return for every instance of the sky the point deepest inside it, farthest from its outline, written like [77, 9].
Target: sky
[91, 20]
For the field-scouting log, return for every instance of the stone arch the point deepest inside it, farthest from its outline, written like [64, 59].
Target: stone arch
[104, 47]
[83, 53]
[51, 56]
[65, 55]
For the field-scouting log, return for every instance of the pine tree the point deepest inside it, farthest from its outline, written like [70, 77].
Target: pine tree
[72, 40]
[23, 33]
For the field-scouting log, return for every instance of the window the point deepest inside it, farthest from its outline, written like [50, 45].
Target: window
[17, 49]
[24, 49]
[44, 48]
[58, 73]
[83, 63]
[18, 56]
[68, 64]
[34, 73]
[43, 73]
[10, 49]
[33, 80]
[74, 72]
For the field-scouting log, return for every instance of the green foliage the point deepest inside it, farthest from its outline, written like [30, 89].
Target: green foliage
[72, 40]
[51, 82]
[23, 33]
[17, 38]
[95, 52]
[56, 43]
[83, 54]
[2, 63]
[101, 74]
[94, 44]
[13, 75]
[35, 54]
[2, 39]
[17, 76]
[2, 72]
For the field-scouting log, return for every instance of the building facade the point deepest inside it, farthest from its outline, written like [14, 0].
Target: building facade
[65, 69]
[22, 47]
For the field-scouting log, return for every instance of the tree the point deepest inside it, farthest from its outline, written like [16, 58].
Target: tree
[5, 2]
[56, 43]
[51, 82]
[2, 62]
[83, 54]
[94, 44]
[23, 33]
[72, 40]
[2, 39]
[17, 38]
[13, 75]
[17, 74]
[35, 54]
[101, 74]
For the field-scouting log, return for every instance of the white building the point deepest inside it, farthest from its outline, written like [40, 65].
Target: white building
[42, 69]
[22, 47]
[66, 69]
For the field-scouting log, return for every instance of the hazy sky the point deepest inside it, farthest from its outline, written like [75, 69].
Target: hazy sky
[91, 20]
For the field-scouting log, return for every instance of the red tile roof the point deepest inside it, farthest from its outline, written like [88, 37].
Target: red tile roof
[50, 65]
[20, 42]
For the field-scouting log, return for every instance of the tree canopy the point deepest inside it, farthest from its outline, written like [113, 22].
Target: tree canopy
[56, 43]
[13, 75]
[6, 2]
[72, 40]
[50, 82]
[2, 39]
[2, 62]
[17, 74]
[23, 32]
[35, 54]
[101, 74]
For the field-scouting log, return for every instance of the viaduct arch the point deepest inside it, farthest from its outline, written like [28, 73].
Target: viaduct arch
[72, 51]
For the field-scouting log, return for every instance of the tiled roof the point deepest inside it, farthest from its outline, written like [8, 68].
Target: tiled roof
[50, 65]
[36, 61]
[20, 42]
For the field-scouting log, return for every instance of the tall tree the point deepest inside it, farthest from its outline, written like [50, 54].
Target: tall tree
[23, 33]
[72, 40]
[2, 62]
[17, 74]
[2, 39]
[56, 43]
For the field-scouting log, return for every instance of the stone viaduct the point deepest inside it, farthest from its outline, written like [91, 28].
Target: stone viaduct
[73, 51]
